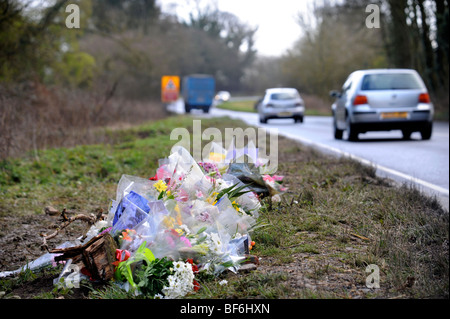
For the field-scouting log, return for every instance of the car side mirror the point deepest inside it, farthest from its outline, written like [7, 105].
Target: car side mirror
[335, 94]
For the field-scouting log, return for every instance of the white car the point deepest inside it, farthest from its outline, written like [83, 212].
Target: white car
[281, 103]
[382, 100]
[222, 96]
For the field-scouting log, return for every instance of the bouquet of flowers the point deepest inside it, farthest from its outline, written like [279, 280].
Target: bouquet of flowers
[189, 217]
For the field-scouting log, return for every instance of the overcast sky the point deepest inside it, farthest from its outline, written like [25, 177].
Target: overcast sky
[276, 19]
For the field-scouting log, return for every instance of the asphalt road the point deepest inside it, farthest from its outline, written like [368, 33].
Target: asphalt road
[424, 164]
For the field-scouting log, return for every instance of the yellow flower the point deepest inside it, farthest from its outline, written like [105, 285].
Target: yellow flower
[160, 186]
[169, 221]
[217, 157]
[212, 199]
[177, 210]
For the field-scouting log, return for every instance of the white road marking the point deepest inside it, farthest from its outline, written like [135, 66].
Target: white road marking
[367, 162]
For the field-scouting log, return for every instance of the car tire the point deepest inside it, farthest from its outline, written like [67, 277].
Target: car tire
[406, 134]
[262, 120]
[426, 131]
[337, 132]
[351, 130]
[187, 108]
[298, 119]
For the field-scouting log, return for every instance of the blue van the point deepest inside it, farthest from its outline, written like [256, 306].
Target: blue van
[198, 92]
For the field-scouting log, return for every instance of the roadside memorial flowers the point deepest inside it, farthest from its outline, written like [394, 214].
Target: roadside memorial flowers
[188, 218]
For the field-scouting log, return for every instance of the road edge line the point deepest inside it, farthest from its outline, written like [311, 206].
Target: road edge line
[368, 162]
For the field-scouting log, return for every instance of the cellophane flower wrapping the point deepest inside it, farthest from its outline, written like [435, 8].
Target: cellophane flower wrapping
[189, 210]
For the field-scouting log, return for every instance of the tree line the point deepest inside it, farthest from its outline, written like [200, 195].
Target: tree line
[129, 44]
[337, 41]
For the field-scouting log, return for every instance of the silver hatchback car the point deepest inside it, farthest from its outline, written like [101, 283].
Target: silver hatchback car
[382, 100]
[281, 103]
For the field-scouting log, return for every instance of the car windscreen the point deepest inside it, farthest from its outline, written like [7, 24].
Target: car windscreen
[283, 96]
[394, 81]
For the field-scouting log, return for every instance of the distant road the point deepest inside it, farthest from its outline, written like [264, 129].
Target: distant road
[421, 163]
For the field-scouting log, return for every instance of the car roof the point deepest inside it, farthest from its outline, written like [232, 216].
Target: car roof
[280, 90]
[374, 71]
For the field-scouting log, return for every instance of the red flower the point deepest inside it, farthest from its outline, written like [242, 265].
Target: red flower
[194, 266]
[196, 285]
[86, 272]
[121, 255]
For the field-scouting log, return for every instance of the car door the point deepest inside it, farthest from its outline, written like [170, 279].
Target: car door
[341, 103]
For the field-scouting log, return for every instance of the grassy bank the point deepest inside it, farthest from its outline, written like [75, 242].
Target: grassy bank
[337, 219]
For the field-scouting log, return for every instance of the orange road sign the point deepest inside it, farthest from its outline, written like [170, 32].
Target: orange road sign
[170, 88]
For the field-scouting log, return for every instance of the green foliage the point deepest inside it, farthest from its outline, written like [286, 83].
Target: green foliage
[17, 50]
[124, 271]
[126, 41]
[43, 49]
[240, 106]
[232, 192]
[77, 69]
[323, 58]
[152, 277]
[110, 291]
[114, 16]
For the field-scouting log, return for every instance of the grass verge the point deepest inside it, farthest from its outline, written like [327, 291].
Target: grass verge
[337, 219]
[249, 106]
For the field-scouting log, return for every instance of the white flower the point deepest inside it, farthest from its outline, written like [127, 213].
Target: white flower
[180, 282]
[276, 198]
[223, 282]
[185, 229]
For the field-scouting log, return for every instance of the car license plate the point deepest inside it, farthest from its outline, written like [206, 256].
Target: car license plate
[285, 114]
[394, 115]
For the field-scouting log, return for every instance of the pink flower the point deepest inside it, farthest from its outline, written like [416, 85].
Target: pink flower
[55, 263]
[210, 179]
[185, 241]
[204, 217]
[170, 242]
[268, 178]
[199, 194]
[162, 173]
[278, 178]
[183, 196]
